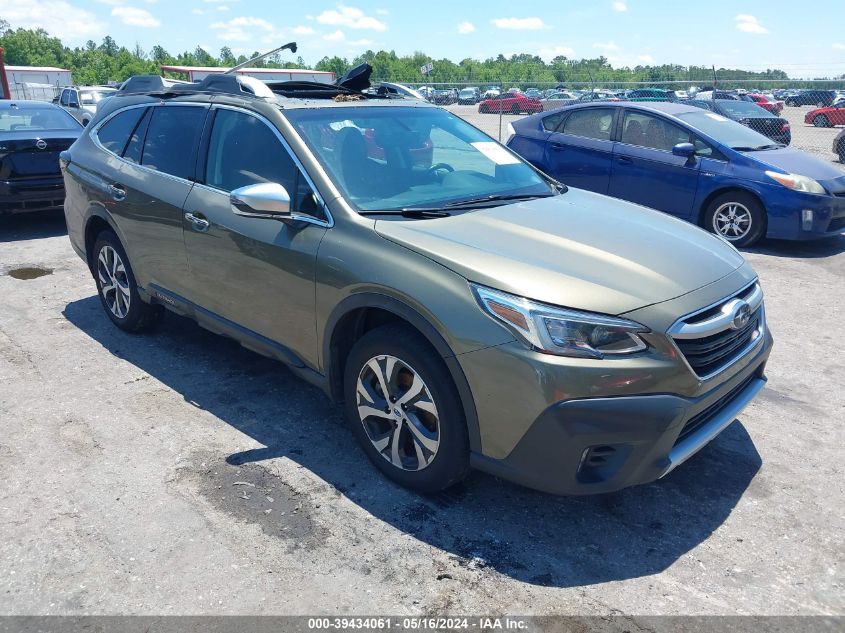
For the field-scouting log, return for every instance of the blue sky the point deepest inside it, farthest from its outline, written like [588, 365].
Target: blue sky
[752, 34]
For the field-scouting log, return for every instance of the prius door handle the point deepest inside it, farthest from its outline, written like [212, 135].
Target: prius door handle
[198, 221]
[624, 160]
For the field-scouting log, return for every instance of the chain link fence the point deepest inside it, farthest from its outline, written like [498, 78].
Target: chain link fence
[807, 114]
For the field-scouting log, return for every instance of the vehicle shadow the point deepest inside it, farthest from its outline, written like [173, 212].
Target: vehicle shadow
[530, 536]
[32, 225]
[809, 249]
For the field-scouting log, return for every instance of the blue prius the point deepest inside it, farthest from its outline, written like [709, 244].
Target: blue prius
[691, 163]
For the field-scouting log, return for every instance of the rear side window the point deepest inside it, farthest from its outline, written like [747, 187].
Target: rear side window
[590, 123]
[172, 138]
[551, 122]
[135, 147]
[115, 133]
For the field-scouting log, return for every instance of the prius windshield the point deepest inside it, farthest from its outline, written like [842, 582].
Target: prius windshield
[727, 132]
[403, 158]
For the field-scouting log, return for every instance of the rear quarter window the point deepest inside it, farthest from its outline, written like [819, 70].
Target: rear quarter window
[551, 122]
[114, 134]
[171, 140]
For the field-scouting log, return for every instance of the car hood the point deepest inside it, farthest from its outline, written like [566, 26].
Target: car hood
[795, 161]
[579, 250]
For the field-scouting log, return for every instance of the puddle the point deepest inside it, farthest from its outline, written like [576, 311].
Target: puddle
[29, 272]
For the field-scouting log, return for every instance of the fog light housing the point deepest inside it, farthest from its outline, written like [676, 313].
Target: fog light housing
[807, 219]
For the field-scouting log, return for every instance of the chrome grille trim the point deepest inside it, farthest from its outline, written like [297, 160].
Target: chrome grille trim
[688, 328]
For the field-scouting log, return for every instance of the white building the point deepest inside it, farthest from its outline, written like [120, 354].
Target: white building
[41, 83]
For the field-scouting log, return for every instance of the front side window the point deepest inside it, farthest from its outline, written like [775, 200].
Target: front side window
[65, 97]
[645, 130]
[171, 139]
[398, 157]
[114, 134]
[590, 123]
[243, 150]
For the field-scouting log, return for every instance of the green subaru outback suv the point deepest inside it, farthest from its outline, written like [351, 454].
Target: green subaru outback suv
[467, 310]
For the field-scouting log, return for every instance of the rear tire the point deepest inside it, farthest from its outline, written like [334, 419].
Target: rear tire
[117, 288]
[821, 121]
[737, 216]
[422, 445]
[841, 151]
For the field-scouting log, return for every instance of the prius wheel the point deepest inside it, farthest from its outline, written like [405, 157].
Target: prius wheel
[821, 121]
[737, 217]
[404, 409]
[117, 288]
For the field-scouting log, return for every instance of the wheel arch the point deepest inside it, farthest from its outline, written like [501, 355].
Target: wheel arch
[362, 312]
[702, 211]
[97, 222]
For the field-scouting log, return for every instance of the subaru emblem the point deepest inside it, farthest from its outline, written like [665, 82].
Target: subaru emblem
[742, 315]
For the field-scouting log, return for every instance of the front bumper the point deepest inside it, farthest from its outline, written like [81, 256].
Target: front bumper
[600, 445]
[36, 194]
[785, 210]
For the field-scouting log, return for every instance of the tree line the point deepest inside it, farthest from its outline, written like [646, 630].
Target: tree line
[105, 62]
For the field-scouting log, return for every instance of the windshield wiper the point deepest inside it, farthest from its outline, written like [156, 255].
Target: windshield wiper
[471, 202]
[411, 212]
[759, 147]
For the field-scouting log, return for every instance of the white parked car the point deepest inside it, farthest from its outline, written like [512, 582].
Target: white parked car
[81, 101]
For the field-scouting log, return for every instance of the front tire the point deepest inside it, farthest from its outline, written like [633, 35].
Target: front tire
[117, 288]
[404, 409]
[821, 121]
[738, 217]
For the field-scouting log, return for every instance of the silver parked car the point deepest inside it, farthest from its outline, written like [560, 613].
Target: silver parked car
[81, 101]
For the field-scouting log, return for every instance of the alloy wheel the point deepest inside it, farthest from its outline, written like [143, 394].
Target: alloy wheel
[114, 282]
[398, 413]
[732, 221]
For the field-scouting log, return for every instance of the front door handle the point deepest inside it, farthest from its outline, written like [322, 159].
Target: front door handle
[117, 193]
[557, 147]
[198, 222]
[624, 160]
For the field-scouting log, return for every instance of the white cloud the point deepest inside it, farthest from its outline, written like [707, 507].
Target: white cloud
[519, 24]
[60, 19]
[350, 17]
[303, 30]
[337, 36]
[550, 52]
[222, 7]
[135, 17]
[250, 21]
[466, 27]
[364, 42]
[749, 24]
[645, 59]
[839, 47]
[197, 11]
[606, 46]
[620, 6]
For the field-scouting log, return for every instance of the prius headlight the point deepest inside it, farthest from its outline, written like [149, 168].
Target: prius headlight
[795, 182]
[561, 331]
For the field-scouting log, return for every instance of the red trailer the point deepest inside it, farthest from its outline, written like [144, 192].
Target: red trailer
[5, 91]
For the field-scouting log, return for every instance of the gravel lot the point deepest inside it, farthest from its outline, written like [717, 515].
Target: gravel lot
[177, 473]
[806, 137]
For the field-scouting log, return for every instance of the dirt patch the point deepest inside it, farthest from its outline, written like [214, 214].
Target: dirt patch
[29, 272]
[255, 494]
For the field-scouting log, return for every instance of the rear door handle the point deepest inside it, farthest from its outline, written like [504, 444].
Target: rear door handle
[557, 147]
[198, 221]
[624, 160]
[117, 193]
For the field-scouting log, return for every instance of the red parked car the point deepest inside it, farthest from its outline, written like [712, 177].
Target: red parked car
[512, 103]
[827, 117]
[775, 107]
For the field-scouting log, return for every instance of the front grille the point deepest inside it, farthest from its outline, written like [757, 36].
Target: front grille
[837, 223]
[708, 340]
[703, 417]
[707, 355]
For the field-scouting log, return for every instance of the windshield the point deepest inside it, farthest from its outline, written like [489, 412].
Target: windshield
[742, 109]
[724, 130]
[46, 118]
[401, 157]
[92, 97]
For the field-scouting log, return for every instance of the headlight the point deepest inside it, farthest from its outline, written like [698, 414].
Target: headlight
[560, 331]
[795, 182]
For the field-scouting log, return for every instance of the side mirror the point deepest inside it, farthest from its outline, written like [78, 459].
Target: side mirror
[684, 150]
[268, 200]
